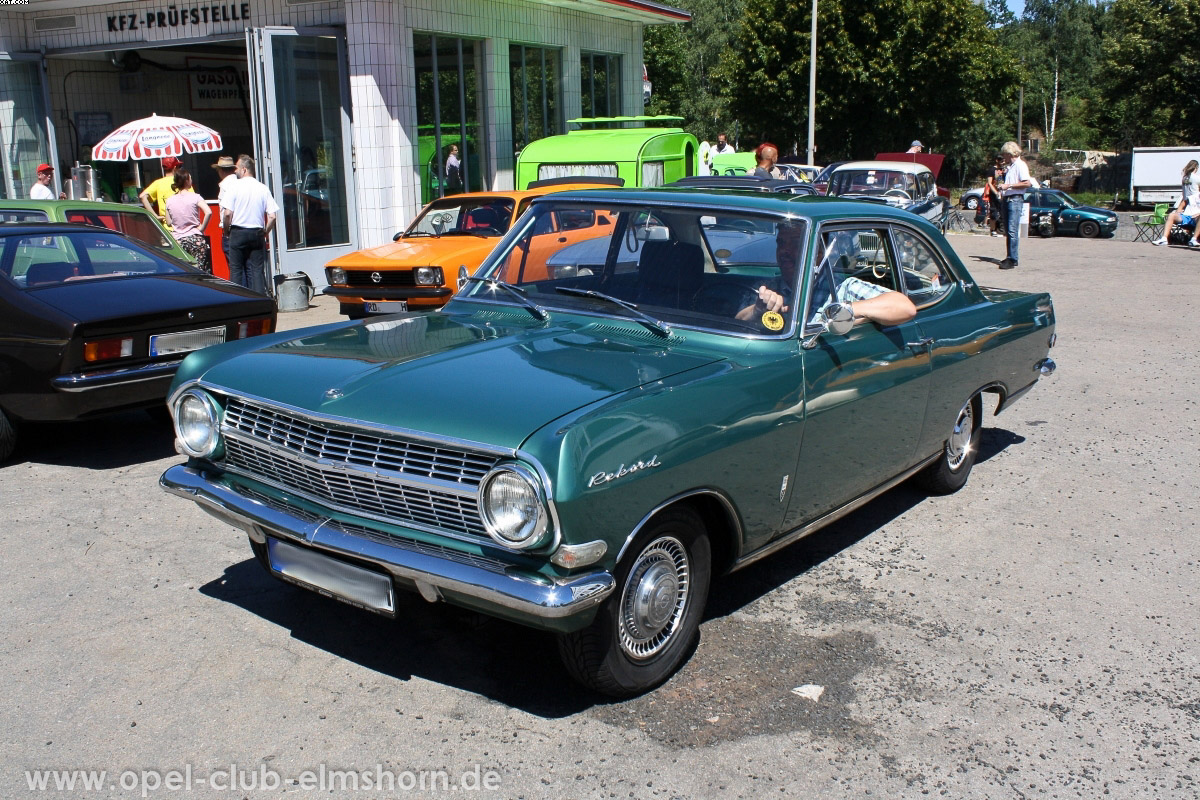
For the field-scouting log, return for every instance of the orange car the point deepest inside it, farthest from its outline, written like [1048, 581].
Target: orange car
[419, 269]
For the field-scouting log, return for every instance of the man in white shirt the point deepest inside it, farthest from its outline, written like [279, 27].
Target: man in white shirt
[248, 214]
[227, 175]
[1012, 194]
[41, 189]
[722, 146]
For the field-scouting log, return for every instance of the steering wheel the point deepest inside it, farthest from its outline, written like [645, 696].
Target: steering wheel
[724, 298]
[879, 270]
[897, 193]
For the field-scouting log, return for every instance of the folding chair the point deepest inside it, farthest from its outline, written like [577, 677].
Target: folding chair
[1150, 226]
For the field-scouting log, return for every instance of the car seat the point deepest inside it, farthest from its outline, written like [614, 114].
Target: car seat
[482, 217]
[50, 272]
[669, 273]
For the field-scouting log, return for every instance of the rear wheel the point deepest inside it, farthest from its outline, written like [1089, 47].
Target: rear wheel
[647, 629]
[949, 473]
[8, 437]
[971, 203]
[1089, 229]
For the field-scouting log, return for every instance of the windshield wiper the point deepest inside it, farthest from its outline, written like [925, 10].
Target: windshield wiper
[416, 233]
[517, 292]
[661, 328]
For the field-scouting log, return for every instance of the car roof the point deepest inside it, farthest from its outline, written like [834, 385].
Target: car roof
[19, 228]
[521, 194]
[817, 208]
[746, 182]
[49, 205]
[896, 166]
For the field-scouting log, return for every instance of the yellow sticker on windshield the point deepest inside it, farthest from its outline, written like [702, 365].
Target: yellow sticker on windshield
[772, 321]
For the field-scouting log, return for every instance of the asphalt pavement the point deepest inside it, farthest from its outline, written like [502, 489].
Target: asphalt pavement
[1032, 636]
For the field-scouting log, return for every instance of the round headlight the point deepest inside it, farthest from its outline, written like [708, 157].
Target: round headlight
[197, 424]
[512, 507]
[336, 275]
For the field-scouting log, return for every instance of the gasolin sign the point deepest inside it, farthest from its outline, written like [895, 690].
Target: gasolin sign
[218, 84]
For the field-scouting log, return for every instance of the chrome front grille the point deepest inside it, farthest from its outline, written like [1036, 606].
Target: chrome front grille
[397, 480]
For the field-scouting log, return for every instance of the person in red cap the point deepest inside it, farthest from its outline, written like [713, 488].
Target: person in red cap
[41, 188]
[154, 197]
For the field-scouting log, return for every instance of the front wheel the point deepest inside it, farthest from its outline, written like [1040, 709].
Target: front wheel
[971, 203]
[8, 437]
[1089, 229]
[949, 473]
[647, 629]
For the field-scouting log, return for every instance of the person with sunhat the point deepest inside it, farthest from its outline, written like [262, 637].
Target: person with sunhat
[41, 188]
[154, 197]
[227, 175]
[915, 147]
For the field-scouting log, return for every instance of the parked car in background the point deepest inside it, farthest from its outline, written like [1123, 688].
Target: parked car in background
[900, 184]
[583, 447]
[133, 221]
[821, 181]
[803, 173]
[92, 321]
[971, 198]
[420, 268]
[1069, 215]
[749, 183]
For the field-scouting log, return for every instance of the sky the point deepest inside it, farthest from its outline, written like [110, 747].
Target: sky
[1016, 7]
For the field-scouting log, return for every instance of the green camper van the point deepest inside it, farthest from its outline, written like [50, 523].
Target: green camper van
[603, 147]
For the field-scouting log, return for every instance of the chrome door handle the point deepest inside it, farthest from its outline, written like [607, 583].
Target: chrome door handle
[924, 344]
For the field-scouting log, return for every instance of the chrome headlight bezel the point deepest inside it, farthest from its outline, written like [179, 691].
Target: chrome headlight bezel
[428, 276]
[211, 441]
[535, 530]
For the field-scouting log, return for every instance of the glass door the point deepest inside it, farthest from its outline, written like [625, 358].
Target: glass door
[26, 133]
[302, 144]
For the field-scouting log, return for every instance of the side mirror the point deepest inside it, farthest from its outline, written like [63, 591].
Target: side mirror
[398, 236]
[838, 318]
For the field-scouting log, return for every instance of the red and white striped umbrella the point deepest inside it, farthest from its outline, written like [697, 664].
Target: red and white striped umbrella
[156, 137]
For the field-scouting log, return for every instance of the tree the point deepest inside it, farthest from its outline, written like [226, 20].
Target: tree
[887, 72]
[1147, 74]
[681, 61]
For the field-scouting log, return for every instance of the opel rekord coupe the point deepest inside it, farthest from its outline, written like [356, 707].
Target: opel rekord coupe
[581, 443]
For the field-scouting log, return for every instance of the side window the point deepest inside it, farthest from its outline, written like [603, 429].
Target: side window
[850, 264]
[926, 277]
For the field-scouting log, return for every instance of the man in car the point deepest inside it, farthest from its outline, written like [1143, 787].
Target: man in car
[865, 300]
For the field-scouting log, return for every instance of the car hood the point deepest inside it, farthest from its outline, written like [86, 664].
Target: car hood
[444, 251]
[495, 380]
[1102, 213]
[157, 301]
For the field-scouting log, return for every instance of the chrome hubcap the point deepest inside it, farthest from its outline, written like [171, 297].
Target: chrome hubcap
[958, 446]
[654, 598]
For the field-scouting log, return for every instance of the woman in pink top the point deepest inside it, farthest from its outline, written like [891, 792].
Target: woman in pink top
[187, 214]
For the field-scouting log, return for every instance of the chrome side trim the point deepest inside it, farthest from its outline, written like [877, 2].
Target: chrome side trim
[832, 516]
[86, 381]
[523, 592]
[724, 501]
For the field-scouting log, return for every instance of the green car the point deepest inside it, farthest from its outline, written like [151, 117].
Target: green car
[133, 221]
[1069, 215]
[591, 430]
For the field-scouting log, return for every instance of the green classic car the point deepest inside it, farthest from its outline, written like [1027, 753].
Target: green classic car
[133, 221]
[590, 431]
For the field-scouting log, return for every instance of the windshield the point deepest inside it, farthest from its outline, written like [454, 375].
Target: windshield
[34, 260]
[682, 266]
[459, 216]
[872, 182]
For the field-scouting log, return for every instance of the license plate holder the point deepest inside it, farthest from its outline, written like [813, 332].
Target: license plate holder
[385, 307]
[165, 344]
[328, 576]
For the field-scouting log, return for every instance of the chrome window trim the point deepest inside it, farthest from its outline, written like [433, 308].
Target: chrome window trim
[937, 253]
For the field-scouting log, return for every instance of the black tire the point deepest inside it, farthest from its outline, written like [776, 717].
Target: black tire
[1089, 229]
[949, 473]
[971, 203]
[8, 437]
[620, 654]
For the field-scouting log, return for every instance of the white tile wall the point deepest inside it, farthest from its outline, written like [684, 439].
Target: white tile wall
[383, 97]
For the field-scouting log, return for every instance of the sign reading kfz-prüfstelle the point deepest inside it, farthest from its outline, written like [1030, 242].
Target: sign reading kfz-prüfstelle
[180, 16]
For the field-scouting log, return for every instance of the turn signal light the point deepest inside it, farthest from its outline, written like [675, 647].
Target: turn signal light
[255, 327]
[107, 349]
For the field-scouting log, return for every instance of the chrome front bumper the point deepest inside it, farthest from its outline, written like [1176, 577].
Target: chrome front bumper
[519, 595]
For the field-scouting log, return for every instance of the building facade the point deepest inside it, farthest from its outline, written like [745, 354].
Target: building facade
[351, 107]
